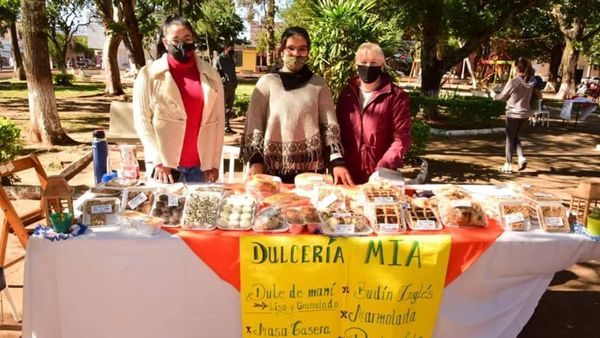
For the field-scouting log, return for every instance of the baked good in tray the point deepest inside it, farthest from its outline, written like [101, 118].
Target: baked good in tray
[201, 210]
[553, 218]
[262, 185]
[284, 198]
[139, 199]
[99, 211]
[236, 212]
[330, 197]
[422, 214]
[309, 181]
[270, 220]
[344, 223]
[458, 208]
[387, 218]
[381, 193]
[537, 195]
[515, 215]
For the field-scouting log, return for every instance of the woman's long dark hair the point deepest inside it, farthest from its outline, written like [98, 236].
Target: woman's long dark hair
[169, 21]
[524, 67]
[289, 32]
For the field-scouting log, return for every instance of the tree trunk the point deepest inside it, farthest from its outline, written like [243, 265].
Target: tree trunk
[270, 23]
[110, 64]
[133, 31]
[45, 124]
[555, 59]
[432, 68]
[19, 72]
[569, 65]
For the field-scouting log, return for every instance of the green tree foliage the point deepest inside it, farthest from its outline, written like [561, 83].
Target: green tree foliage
[433, 22]
[9, 9]
[218, 25]
[10, 144]
[337, 28]
[65, 18]
[579, 22]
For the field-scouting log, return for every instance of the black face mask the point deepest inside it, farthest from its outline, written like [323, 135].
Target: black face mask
[180, 51]
[231, 53]
[369, 74]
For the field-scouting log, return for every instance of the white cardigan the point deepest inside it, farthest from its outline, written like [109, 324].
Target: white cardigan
[160, 117]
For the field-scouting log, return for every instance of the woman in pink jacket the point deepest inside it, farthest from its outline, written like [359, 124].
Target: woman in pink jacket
[374, 117]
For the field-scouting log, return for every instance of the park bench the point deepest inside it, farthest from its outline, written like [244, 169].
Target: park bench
[121, 130]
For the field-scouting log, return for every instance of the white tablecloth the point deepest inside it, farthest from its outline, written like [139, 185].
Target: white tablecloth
[110, 284]
[585, 111]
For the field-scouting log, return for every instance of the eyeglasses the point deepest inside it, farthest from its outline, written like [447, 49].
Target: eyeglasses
[302, 51]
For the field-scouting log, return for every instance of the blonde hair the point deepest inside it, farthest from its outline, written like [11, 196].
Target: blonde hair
[370, 48]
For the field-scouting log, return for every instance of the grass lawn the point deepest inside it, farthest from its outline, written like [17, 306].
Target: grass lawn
[245, 87]
[18, 89]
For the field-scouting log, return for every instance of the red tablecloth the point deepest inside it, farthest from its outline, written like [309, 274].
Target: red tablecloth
[220, 250]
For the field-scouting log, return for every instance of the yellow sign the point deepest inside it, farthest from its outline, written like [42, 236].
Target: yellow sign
[315, 286]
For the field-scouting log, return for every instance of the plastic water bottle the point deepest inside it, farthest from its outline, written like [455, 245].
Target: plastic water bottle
[99, 155]
[129, 164]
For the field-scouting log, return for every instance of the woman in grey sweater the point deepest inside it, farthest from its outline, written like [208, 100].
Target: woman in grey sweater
[291, 126]
[517, 93]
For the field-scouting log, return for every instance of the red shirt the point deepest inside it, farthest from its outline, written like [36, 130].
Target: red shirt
[188, 81]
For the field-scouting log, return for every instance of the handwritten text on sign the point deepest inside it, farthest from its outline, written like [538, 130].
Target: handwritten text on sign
[314, 286]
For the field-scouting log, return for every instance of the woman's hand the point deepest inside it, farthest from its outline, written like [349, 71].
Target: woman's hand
[256, 168]
[341, 174]
[211, 175]
[162, 174]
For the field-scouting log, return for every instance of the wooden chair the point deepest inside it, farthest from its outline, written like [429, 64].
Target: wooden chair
[12, 220]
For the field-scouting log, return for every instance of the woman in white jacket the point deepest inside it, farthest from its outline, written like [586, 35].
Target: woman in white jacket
[178, 110]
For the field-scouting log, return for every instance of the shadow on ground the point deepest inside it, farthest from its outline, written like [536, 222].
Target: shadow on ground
[562, 314]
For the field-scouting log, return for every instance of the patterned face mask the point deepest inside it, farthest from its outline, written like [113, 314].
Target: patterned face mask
[294, 63]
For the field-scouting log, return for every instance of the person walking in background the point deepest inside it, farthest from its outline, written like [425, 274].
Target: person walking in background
[291, 126]
[374, 117]
[177, 109]
[225, 64]
[518, 93]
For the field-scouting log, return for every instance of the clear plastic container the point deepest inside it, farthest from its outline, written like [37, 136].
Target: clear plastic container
[270, 220]
[330, 197]
[382, 194]
[311, 219]
[515, 216]
[141, 223]
[140, 199]
[294, 217]
[345, 223]
[387, 218]
[236, 212]
[308, 182]
[201, 209]
[169, 207]
[553, 217]
[285, 198]
[461, 212]
[100, 211]
[262, 186]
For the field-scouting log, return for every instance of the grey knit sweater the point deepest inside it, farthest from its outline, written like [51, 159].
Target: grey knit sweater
[292, 130]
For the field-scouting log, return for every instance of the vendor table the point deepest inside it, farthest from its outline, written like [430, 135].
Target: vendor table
[115, 284]
[582, 105]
